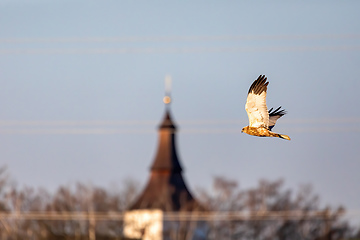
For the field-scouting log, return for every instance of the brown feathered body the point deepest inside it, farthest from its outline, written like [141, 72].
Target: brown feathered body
[263, 132]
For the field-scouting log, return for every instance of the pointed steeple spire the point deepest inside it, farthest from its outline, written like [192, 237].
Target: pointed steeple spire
[166, 188]
[166, 158]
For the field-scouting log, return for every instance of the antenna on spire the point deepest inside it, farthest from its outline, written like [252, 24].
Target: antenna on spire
[167, 98]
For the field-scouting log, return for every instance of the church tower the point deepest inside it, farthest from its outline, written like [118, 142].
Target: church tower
[165, 191]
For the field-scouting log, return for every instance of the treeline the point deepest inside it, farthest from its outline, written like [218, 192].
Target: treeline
[226, 195]
[271, 197]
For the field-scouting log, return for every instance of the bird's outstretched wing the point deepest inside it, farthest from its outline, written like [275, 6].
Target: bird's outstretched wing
[256, 103]
[274, 115]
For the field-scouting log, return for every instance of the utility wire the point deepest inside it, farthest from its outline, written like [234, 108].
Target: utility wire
[347, 125]
[182, 216]
[174, 50]
[111, 131]
[133, 39]
[207, 122]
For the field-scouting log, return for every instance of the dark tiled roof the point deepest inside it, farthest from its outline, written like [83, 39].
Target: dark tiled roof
[167, 192]
[166, 188]
[167, 122]
[166, 157]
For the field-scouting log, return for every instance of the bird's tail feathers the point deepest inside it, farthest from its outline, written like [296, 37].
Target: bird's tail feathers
[283, 136]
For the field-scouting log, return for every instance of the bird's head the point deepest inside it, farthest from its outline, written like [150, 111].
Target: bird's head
[245, 129]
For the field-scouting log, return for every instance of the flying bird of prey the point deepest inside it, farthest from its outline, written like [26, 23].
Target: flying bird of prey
[261, 120]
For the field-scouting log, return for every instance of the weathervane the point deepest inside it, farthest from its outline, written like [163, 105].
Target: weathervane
[167, 98]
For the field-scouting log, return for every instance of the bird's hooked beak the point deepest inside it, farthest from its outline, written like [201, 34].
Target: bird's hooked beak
[242, 130]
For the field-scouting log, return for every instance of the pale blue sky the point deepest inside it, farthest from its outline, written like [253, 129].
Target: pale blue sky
[82, 85]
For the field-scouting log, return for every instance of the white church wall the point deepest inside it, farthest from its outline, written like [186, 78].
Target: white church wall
[150, 225]
[144, 224]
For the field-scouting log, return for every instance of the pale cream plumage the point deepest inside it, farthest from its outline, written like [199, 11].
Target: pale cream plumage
[261, 120]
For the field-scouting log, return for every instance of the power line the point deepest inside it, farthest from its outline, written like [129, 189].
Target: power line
[86, 123]
[133, 39]
[181, 216]
[326, 125]
[75, 123]
[174, 50]
[111, 131]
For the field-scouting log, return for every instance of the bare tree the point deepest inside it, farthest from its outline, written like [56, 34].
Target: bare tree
[82, 198]
[268, 197]
[225, 197]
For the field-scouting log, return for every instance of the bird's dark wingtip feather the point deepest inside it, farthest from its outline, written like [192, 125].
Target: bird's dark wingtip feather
[278, 111]
[259, 85]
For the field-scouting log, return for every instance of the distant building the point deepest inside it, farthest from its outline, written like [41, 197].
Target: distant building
[165, 192]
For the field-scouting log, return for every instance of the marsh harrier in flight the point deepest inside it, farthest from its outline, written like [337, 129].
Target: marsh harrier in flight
[261, 120]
